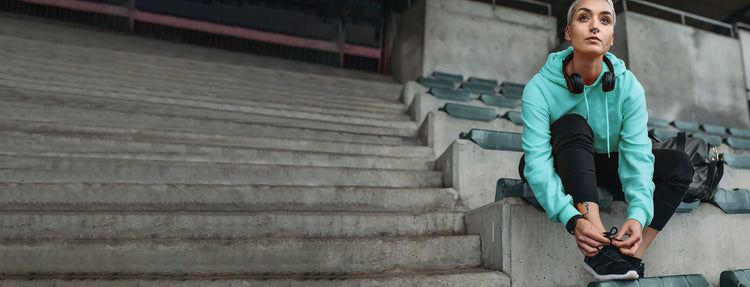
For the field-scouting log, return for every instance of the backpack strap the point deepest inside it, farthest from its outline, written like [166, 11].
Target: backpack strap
[681, 138]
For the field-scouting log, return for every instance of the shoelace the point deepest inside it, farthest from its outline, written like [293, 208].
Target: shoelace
[611, 235]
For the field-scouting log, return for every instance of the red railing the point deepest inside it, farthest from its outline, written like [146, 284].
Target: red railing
[133, 14]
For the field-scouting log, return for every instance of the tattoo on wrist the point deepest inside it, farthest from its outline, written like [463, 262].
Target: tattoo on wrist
[583, 208]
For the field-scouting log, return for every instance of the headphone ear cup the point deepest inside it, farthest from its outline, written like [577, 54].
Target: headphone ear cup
[576, 83]
[608, 81]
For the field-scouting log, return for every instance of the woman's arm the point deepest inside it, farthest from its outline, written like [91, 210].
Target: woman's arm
[539, 171]
[635, 157]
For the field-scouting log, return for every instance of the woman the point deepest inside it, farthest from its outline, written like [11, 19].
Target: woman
[585, 125]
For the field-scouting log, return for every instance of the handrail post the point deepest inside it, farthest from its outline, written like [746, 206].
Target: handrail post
[131, 11]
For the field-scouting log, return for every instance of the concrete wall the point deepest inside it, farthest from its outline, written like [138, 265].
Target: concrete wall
[469, 38]
[407, 52]
[522, 242]
[474, 171]
[744, 37]
[689, 74]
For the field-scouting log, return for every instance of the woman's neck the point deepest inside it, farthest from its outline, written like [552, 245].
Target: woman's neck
[588, 67]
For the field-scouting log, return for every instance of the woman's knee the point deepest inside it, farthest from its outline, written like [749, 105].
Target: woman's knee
[673, 165]
[572, 130]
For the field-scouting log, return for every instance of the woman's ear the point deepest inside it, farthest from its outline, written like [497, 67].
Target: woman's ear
[567, 33]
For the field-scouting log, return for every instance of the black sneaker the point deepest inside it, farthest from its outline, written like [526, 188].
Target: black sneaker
[609, 265]
[641, 270]
[637, 264]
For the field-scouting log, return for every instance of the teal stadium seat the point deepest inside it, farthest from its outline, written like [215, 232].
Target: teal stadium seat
[714, 129]
[695, 280]
[478, 88]
[514, 117]
[494, 140]
[712, 139]
[736, 160]
[481, 81]
[663, 134]
[500, 101]
[736, 278]
[660, 123]
[686, 126]
[738, 143]
[436, 83]
[455, 78]
[733, 201]
[450, 94]
[687, 207]
[743, 133]
[469, 112]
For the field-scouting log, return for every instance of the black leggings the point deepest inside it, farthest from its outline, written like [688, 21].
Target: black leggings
[581, 170]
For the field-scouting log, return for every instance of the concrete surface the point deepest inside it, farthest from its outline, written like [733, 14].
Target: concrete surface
[41, 169]
[408, 50]
[71, 146]
[119, 225]
[257, 256]
[744, 37]
[472, 38]
[440, 129]
[522, 242]
[474, 278]
[474, 171]
[210, 138]
[688, 74]
[229, 198]
[468, 37]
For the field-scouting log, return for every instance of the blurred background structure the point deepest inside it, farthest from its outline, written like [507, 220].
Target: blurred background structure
[334, 142]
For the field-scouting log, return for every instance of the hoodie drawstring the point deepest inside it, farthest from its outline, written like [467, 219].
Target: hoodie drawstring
[606, 111]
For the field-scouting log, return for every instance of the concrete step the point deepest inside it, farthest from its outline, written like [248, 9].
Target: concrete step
[188, 101]
[261, 105]
[162, 68]
[266, 256]
[118, 62]
[54, 169]
[437, 278]
[202, 197]
[93, 115]
[138, 108]
[68, 146]
[53, 75]
[51, 31]
[208, 138]
[119, 225]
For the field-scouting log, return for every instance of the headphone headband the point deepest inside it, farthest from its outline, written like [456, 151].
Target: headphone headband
[575, 81]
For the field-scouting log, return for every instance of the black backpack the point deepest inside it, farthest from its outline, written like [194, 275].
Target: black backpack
[708, 167]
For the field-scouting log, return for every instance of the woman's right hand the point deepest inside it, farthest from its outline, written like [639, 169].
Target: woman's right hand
[588, 238]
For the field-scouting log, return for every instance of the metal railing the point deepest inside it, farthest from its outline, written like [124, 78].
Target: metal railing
[683, 15]
[335, 41]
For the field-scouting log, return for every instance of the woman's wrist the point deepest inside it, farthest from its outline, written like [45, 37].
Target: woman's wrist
[571, 225]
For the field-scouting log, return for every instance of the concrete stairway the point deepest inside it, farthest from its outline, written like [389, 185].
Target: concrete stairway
[140, 169]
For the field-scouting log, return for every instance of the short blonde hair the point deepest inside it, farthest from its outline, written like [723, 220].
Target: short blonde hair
[572, 8]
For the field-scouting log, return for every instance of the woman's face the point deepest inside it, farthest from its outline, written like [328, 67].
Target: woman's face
[591, 29]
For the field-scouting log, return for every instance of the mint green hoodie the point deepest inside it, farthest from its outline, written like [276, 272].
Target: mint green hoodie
[618, 119]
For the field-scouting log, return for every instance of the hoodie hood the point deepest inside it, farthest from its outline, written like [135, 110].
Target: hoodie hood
[552, 69]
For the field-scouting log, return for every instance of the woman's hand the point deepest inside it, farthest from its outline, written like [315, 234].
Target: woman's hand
[588, 238]
[633, 229]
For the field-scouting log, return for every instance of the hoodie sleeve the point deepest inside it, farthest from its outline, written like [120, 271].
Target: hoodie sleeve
[539, 171]
[635, 156]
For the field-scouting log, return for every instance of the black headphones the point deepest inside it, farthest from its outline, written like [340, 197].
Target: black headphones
[575, 81]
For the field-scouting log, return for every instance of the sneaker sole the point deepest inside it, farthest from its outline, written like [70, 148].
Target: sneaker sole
[630, 275]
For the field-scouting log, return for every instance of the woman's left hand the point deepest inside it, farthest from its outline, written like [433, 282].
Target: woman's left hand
[632, 228]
